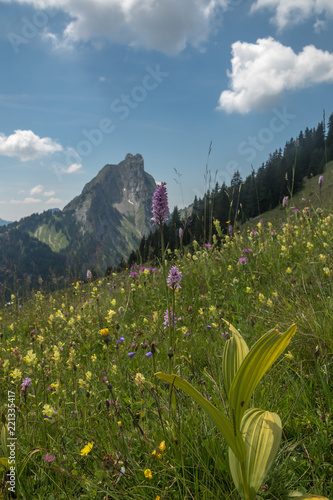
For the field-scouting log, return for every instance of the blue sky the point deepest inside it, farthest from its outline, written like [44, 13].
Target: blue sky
[84, 83]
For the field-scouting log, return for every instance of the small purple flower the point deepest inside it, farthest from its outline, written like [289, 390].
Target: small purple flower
[242, 260]
[181, 233]
[148, 354]
[160, 205]
[209, 327]
[26, 383]
[174, 278]
[121, 339]
[321, 180]
[296, 211]
[172, 318]
[208, 245]
[247, 250]
[133, 273]
[131, 354]
[105, 380]
[285, 201]
[49, 458]
[144, 345]
[230, 230]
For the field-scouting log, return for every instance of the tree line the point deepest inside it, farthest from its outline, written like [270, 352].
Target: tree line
[281, 175]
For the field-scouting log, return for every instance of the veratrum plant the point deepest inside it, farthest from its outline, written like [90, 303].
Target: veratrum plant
[253, 435]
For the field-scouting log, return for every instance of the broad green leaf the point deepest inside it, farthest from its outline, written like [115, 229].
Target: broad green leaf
[233, 329]
[233, 439]
[259, 359]
[234, 352]
[261, 431]
[4, 439]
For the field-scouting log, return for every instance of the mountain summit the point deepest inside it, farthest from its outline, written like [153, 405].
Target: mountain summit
[94, 231]
[118, 198]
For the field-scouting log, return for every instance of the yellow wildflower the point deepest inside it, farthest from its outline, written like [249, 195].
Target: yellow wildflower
[16, 374]
[148, 474]
[30, 358]
[104, 332]
[162, 446]
[139, 379]
[48, 410]
[87, 449]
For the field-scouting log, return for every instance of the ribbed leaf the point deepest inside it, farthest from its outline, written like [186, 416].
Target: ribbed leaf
[261, 431]
[259, 359]
[233, 439]
[234, 352]
[4, 439]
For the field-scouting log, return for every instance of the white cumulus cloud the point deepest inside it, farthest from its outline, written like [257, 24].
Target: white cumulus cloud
[54, 201]
[37, 189]
[49, 193]
[72, 169]
[164, 25]
[26, 145]
[263, 71]
[289, 12]
[26, 201]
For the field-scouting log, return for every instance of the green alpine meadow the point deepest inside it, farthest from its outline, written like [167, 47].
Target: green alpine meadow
[203, 374]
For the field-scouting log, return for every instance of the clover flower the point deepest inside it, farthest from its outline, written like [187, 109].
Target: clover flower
[174, 278]
[160, 205]
[49, 458]
[242, 260]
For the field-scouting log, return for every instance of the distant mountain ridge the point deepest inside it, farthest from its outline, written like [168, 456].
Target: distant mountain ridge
[4, 222]
[95, 230]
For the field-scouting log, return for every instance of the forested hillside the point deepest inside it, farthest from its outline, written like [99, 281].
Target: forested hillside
[281, 176]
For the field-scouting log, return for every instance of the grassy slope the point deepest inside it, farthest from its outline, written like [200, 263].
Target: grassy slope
[287, 278]
[310, 196]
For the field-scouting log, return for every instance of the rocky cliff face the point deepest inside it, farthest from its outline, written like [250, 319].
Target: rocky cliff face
[114, 208]
[122, 191]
